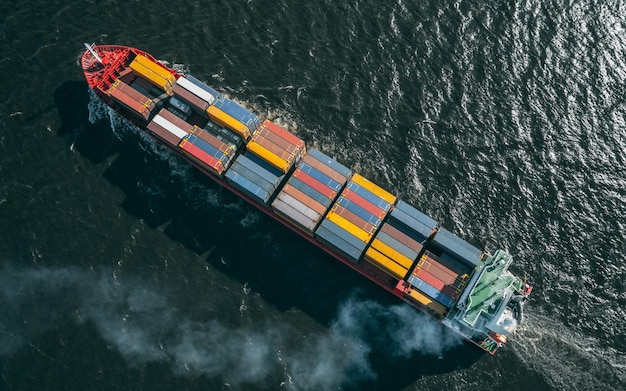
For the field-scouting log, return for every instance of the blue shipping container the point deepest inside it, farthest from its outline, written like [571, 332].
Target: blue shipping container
[208, 148]
[247, 186]
[203, 86]
[320, 177]
[399, 247]
[260, 171]
[253, 177]
[238, 112]
[416, 214]
[311, 192]
[330, 162]
[451, 243]
[431, 291]
[357, 210]
[368, 195]
[262, 163]
[338, 244]
[410, 222]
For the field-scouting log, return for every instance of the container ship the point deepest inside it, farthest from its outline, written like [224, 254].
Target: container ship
[369, 229]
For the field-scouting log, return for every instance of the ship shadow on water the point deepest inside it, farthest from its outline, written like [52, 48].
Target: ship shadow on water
[283, 268]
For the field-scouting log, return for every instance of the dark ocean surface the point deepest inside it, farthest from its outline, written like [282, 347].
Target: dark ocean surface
[122, 268]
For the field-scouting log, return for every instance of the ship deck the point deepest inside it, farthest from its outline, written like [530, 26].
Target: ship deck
[490, 289]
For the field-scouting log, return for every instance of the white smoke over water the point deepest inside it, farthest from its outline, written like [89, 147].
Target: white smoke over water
[144, 326]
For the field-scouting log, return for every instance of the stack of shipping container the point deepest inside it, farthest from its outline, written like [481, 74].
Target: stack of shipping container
[400, 240]
[154, 73]
[271, 153]
[233, 116]
[169, 128]
[309, 192]
[276, 146]
[208, 150]
[355, 217]
[321, 197]
[440, 278]
[132, 99]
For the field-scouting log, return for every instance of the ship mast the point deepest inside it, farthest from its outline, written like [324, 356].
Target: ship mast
[93, 52]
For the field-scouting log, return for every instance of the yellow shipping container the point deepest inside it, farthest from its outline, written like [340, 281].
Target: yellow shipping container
[385, 264]
[268, 156]
[428, 302]
[379, 191]
[156, 68]
[221, 118]
[348, 226]
[152, 77]
[392, 253]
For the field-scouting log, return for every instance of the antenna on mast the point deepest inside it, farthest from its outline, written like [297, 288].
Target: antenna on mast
[93, 52]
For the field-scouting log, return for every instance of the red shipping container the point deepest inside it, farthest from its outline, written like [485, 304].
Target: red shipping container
[363, 203]
[402, 237]
[439, 273]
[134, 94]
[212, 140]
[275, 149]
[324, 169]
[308, 180]
[130, 103]
[187, 127]
[192, 99]
[276, 139]
[202, 156]
[163, 133]
[430, 279]
[284, 133]
[305, 199]
[430, 263]
[354, 219]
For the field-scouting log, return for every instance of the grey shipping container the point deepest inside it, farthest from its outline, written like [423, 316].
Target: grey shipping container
[330, 162]
[449, 242]
[259, 170]
[325, 236]
[247, 186]
[416, 225]
[416, 214]
[253, 177]
[343, 234]
[294, 215]
[396, 245]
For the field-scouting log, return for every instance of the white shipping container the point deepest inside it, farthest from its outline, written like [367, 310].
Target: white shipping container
[299, 206]
[294, 215]
[194, 89]
[170, 127]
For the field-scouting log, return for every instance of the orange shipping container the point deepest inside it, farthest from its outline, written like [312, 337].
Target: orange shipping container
[275, 149]
[324, 169]
[401, 237]
[284, 133]
[130, 103]
[354, 219]
[305, 199]
[276, 139]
